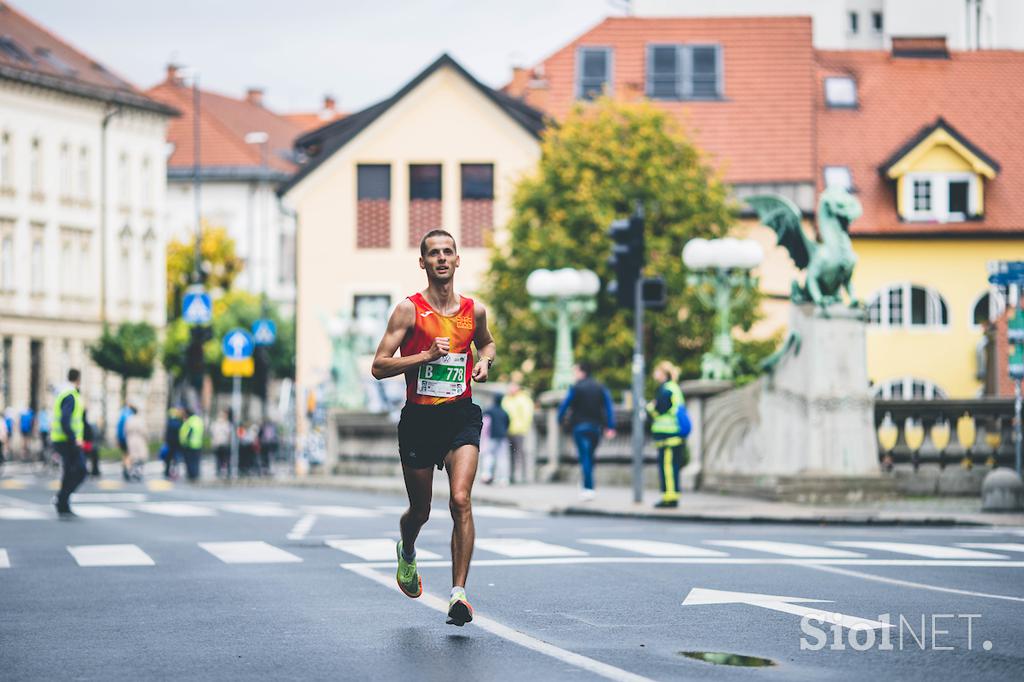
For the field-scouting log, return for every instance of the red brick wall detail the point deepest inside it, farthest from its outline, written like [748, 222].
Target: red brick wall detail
[373, 224]
[476, 218]
[424, 216]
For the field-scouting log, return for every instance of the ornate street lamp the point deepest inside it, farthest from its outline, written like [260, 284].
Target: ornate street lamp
[562, 299]
[720, 274]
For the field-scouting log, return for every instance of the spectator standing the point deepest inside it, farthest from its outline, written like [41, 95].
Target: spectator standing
[590, 412]
[220, 441]
[68, 433]
[3, 439]
[268, 444]
[666, 432]
[44, 433]
[519, 406]
[497, 447]
[137, 444]
[122, 440]
[90, 447]
[26, 422]
[191, 439]
[172, 442]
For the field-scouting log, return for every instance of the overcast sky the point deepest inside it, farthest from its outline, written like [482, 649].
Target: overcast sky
[361, 51]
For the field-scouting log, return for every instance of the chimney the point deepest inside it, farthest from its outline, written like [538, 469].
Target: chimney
[922, 47]
[172, 74]
[254, 96]
[330, 104]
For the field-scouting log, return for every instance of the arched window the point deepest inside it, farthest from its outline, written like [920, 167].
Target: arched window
[909, 388]
[908, 305]
[987, 308]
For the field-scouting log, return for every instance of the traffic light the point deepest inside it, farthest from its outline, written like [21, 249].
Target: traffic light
[627, 258]
[195, 362]
[654, 292]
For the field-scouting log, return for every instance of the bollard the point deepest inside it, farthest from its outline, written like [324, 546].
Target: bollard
[1002, 491]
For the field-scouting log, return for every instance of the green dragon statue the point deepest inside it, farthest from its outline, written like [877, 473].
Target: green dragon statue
[829, 263]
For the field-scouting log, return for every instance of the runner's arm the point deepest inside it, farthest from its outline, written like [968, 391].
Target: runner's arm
[385, 364]
[486, 349]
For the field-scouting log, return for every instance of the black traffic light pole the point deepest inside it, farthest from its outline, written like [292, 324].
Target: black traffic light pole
[638, 386]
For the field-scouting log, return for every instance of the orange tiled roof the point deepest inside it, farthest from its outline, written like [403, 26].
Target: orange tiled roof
[31, 54]
[311, 120]
[762, 131]
[980, 94]
[223, 124]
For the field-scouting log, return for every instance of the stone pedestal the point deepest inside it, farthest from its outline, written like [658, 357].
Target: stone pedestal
[812, 420]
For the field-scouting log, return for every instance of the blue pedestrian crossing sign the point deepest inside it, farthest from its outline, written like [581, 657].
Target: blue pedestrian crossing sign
[264, 332]
[237, 344]
[196, 308]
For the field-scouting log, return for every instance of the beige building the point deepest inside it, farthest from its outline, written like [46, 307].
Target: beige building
[444, 151]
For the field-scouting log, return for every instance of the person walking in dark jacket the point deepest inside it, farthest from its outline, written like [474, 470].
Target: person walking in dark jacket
[172, 443]
[68, 433]
[497, 454]
[590, 406]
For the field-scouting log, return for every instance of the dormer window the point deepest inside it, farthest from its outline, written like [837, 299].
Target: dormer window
[841, 92]
[941, 197]
[839, 177]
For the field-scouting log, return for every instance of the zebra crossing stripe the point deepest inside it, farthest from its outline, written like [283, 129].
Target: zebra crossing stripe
[997, 546]
[23, 514]
[927, 551]
[484, 511]
[110, 555]
[254, 552]
[259, 509]
[790, 549]
[5, 561]
[340, 511]
[179, 509]
[101, 511]
[656, 548]
[375, 549]
[520, 548]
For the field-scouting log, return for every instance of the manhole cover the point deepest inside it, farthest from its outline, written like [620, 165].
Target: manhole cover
[722, 658]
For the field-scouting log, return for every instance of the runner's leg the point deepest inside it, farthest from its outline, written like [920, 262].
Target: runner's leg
[461, 464]
[419, 487]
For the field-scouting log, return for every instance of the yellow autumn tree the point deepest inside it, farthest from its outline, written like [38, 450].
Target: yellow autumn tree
[219, 262]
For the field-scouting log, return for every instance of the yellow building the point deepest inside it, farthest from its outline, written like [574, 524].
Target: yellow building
[444, 152]
[931, 143]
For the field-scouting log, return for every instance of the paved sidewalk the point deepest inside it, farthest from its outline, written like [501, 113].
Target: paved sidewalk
[560, 498]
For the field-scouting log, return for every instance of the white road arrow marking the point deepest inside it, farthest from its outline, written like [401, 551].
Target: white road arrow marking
[700, 596]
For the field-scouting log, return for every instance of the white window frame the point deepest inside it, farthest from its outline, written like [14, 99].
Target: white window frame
[838, 170]
[7, 257]
[84, 173]
[933, 299]
[66, 173]
[831, 101]
[6, 160]
[684, 74]
[1000, 294]
[609, 86]
[940, 197]
[649, 72]
[932, 391]
[35, 165]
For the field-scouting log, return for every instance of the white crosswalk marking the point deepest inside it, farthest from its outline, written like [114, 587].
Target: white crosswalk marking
[656, 548]
[108, 497]
[375, 549]
[997, 546]
[341, 512]
[259, 509]
[5, 561]
[790, 549]
[519, 548]
[101, 511]
[23, 514]
[929, 551]
[484, 511]
[256, 552]
[175, 509]
[110, 555]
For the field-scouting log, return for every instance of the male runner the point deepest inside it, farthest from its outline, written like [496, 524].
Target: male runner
[440, 425]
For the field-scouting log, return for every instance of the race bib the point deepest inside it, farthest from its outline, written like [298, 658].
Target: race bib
[444, 377]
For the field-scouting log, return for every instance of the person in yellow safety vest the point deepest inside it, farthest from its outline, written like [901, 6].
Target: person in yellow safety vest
[665, 431]
[191, 439]
[67, 434]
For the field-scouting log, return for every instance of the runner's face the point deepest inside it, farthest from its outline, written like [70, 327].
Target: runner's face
[441, 259]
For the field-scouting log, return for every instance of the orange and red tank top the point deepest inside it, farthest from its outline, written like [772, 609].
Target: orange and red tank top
[446, 379]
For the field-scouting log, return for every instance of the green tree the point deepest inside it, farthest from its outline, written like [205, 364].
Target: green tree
[599, 161]
[129, 351]
[220, 264]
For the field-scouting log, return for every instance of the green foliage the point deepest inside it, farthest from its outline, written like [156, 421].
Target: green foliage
[219, 262]
[594, 166]
[234, 309]
[129, 351]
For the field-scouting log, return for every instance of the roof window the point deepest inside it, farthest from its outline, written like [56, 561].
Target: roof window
[841, 92]
[53, 60]
[13, 50]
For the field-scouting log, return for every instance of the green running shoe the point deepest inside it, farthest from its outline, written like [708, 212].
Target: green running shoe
[459, 610]
[408, 578]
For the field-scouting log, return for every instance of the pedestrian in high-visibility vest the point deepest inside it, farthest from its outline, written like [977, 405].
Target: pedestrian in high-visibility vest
[665, 431]
[191, 439]
[67, 434]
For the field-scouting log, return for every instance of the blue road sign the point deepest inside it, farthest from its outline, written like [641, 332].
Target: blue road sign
[264, 332]
[196, 308]
[237, 344]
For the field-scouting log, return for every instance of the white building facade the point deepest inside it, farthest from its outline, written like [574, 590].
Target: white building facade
[871, 24]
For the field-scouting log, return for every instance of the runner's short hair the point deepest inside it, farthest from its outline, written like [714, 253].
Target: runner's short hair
[435, 233]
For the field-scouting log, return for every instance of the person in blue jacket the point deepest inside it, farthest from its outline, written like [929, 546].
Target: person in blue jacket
[589, 405]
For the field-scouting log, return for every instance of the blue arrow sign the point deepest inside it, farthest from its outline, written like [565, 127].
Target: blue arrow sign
[237, 344]
[264, 332]
[196, 308]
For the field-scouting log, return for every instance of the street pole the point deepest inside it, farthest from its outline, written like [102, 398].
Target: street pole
[196, 182]
[638, 392]
[236, 409]
[1017, 435]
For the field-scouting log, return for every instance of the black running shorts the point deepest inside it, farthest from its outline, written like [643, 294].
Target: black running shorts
[427, 433]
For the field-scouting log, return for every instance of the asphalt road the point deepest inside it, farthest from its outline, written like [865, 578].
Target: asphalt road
[280, 583]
